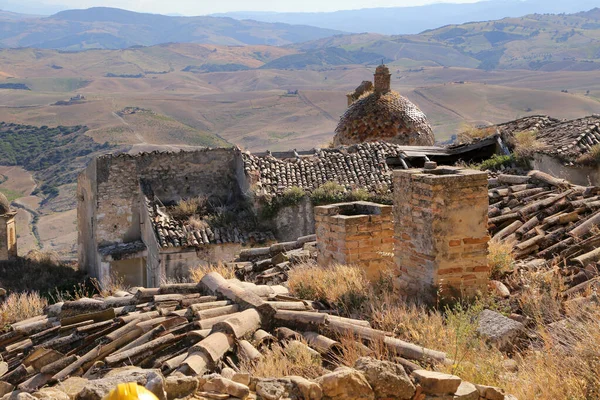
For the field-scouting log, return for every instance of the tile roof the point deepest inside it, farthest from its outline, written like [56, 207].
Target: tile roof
[173, 233]
[357, 166]
[569, 140]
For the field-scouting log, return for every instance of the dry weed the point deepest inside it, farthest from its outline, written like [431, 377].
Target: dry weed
[341, 286]
[43, 257]
[279, 362]
[592, 157]
[469, 132]
[186, 208]
[20, 306]
[197, 223]
[526, 144]
[197, 273]
[500, 258]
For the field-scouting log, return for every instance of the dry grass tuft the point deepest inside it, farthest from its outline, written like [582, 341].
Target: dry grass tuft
[43, 257]
[592, 157]
[20, 306]
[197, 273]
[186, 208]
[197, 223]
[469, 132]
[279, 362]
[341, 286]
[526, 144]
[500, 258]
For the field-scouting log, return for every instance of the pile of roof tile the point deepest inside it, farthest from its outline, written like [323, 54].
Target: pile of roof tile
[546, 218]
[270, 265]
[361, 165]
[190, 329]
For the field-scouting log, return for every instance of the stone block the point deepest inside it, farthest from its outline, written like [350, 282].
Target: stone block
[498, 329]
[436, 383]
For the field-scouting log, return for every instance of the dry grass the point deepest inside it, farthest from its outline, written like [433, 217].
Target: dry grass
[526, 144]
[278, 362]
[197, 223]
[197, 273]
[43, 257]
[187, 208]
[500, 258]
[340, 286]
[20, 306]
[592, 157]
[559, 363]
[468, 133]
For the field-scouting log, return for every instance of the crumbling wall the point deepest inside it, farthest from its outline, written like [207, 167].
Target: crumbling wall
[212, 173]
[441, 230]
[177, 262]
[8, 238]
[579, 175]
[154, 269]
[295, 221]
[86, 220]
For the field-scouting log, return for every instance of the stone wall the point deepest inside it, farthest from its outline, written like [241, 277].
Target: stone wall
[177, 262]
[109, 192]
[441, 232]
[295, 221]
[577, 174]
[357, 233]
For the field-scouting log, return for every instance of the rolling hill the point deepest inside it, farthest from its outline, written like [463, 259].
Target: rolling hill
[545, 42]
[415, 19]
[112, 28]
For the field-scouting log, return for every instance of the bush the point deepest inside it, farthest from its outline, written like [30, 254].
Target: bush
[526, 144]
[328, 193]
[20, 306]
[469, 132]
[186, 208]
[592, 157]
[340, 286]
[500, 258]
[290, 197]
[496, 162]
[198, 272]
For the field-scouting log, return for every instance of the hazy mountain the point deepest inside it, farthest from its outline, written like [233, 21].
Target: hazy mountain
[548, 42]
[408, 20]
[112, 28]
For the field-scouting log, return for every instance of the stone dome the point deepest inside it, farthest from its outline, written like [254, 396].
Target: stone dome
[383, 114]
[4, 204]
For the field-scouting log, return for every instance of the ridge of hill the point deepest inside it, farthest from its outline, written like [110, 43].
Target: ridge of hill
[415, 19]
[113, 28]
[548, 42]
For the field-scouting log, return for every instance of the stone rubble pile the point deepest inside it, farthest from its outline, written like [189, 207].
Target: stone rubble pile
[270, 265]
[193, 340]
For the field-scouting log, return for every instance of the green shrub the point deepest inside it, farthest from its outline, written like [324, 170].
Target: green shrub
[497, 162]
[290, 197]
[328, 193]
[359, 195]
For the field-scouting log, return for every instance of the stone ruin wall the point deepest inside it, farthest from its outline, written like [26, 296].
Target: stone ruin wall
[109, 191]
[441, 230]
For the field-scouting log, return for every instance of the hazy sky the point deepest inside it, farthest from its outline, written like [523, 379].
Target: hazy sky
[200, 7]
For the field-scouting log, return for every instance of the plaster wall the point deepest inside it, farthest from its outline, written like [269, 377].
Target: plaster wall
[579, 175]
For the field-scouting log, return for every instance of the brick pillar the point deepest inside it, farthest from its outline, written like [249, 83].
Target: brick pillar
[357, 233]
[441, 235]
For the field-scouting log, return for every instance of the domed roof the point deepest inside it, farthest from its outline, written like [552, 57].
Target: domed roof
[384, 115]
[4, 204]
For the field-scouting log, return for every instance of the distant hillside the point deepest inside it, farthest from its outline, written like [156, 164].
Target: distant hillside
[112, 28]
[411, 20]
[538, 42]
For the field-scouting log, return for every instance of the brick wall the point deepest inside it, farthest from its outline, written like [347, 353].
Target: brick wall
[441, 233]
[357, 233]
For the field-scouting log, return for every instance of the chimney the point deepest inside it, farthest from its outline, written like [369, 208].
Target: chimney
[382, 79]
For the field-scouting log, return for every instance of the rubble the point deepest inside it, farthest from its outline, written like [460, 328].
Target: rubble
[180, 340]
[498, 329]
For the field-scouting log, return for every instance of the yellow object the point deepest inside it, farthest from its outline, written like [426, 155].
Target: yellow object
[130, 391]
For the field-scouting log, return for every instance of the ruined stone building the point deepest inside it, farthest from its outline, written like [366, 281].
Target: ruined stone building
[565, 149]
[126, 227]
[8, 230]
[375, 112]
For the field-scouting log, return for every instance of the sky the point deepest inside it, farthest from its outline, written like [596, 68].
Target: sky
[202, 7]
